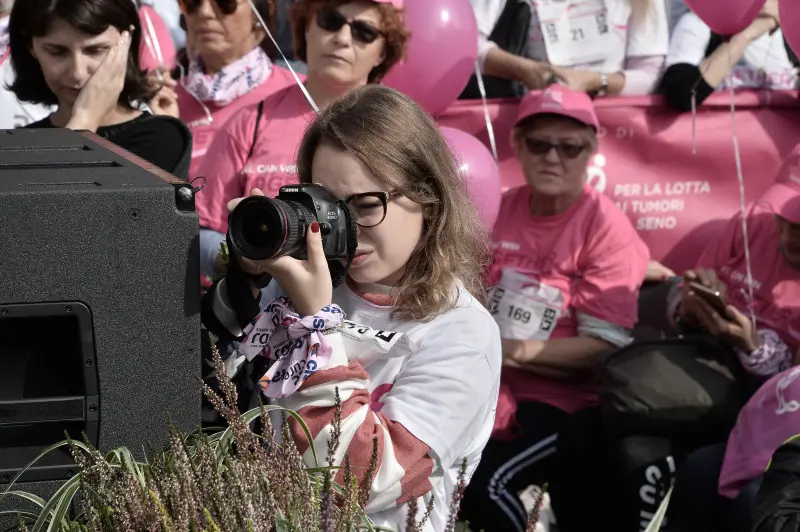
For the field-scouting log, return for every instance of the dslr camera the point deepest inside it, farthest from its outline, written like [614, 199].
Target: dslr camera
[264, 228]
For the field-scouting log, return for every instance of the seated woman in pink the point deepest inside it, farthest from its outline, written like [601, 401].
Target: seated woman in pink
[346, 45]
[566, 274]
[765, 348]
[226, 66]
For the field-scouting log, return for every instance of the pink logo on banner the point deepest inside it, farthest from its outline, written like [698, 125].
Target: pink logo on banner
[675, 199]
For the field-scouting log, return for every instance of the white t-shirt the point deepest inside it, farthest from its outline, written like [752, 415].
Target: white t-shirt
[609, 22]
[765, 64]
[14, 113]
[675, 9]
[439, 380]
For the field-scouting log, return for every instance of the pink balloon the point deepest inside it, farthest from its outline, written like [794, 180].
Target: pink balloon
[789, 13]
[477, 167]
[727, 17]
[156, 41]
[441, 52]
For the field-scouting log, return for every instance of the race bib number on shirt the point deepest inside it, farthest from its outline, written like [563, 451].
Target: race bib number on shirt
[574, 31]
[525, 308]
[381, 340]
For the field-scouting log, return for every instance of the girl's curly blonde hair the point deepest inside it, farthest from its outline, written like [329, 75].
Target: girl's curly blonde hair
[394, 137]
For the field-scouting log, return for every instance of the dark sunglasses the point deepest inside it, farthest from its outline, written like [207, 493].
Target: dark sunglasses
[331, 20]
[565, 150]
[226, 7]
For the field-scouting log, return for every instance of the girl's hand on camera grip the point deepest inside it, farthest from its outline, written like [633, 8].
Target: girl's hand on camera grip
[307, 282]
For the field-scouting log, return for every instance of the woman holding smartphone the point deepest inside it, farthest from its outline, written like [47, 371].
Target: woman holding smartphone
[713, 489]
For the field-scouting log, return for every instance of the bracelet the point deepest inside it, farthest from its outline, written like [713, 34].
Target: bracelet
[294, 344]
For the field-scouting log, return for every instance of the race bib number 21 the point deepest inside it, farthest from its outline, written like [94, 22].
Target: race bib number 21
[574, 31]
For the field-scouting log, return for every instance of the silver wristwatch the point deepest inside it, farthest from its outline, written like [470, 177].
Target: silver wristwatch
[603, 85]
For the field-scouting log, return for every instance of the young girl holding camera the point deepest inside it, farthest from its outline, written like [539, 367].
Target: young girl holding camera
[417, 361]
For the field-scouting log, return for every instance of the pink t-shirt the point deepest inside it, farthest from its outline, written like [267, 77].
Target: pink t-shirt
[588, 259]
[231, 174]
[771, 417]
[776, 284]
[194, 116]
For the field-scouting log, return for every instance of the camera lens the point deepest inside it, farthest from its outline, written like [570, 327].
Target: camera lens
[262, 228]
[256, 229]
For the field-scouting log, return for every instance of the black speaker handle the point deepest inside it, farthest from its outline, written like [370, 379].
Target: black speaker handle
[44, 410]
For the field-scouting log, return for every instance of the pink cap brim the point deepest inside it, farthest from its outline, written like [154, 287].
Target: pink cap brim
[584, 117]
[783, 200]
[398, 4]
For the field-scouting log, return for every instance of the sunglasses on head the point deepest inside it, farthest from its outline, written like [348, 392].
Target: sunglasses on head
[331, 20]
[566, 150]
[226, 7]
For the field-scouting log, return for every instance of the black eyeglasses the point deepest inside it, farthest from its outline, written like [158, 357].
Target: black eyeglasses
[369, 208]
[331, 20]
[226, 7]
[565, 150]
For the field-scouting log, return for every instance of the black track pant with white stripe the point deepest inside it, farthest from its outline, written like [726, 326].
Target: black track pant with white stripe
[491, 502]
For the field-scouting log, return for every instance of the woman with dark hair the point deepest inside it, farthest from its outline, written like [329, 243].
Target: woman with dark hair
[82, 57]
[227, 65]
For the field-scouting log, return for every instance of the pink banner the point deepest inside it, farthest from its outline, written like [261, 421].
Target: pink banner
[675, 198]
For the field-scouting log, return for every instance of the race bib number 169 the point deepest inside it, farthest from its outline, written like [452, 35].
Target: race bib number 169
[524, 308]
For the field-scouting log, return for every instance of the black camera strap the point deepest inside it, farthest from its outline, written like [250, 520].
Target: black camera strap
[240, 293]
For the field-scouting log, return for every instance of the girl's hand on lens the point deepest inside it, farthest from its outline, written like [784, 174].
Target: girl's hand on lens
[307, 282]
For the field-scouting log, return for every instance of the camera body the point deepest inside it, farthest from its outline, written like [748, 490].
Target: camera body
[262, 228]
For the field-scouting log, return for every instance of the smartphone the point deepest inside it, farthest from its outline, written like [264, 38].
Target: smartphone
[712, 297]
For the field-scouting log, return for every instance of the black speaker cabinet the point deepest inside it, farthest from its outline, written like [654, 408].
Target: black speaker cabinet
[99, 302]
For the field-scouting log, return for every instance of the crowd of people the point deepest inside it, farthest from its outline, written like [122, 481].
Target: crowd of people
[464, 346]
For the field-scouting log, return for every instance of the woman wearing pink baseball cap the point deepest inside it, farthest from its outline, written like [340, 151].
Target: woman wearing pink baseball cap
[566, 274]
[345, 45]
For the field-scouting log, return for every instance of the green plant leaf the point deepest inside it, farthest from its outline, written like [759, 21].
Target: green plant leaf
[300, 421]
[44, 452]
[20, 513]
[61, 509]
[124, 458]
[30, 497]
[281, 524]
[62, 493]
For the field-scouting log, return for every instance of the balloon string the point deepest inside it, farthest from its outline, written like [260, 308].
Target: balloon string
[486, 115]
[271, 38]
[694, 122]
[742, 204]
[151, 39]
